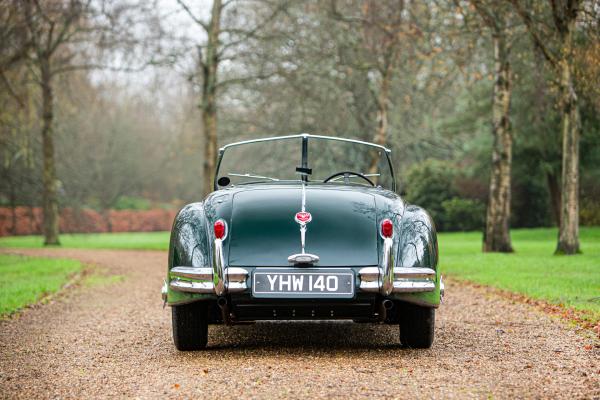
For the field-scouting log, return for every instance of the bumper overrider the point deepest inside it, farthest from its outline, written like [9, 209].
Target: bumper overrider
[384, 279]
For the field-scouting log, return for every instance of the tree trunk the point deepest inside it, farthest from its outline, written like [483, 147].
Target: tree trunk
[568, 236]
[107, 219]
[554, 189]
[209, 98]
[50, 197]
[497, 234]
[382, 121]
[13, 206]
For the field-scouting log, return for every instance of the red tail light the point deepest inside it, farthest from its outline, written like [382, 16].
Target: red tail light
[387, 228]
[220, 229]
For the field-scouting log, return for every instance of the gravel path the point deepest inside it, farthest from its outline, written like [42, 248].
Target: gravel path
[114, 340]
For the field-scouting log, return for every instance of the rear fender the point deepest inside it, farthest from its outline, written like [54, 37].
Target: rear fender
[189, 246]
[418, 247]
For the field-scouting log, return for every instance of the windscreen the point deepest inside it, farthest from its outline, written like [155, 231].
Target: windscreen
[330, 157]
[265, 161]
[276, 161]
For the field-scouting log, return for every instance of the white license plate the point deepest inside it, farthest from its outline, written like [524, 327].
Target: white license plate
[305, 283]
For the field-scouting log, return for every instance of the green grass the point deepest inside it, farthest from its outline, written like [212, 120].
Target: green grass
[127, 240]
[25, 280]
[532, 270]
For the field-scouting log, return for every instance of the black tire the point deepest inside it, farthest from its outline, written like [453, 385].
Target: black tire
[417, 326]
[190, 326]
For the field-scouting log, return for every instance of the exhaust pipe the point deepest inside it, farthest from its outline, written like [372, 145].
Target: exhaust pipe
[384, 307]
[224, 306]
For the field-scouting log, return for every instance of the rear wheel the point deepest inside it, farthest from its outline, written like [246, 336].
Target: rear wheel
[190, 326]
[416, 326]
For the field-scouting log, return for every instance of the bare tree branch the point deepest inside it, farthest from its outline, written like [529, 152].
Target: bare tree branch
[191, 14]
[537, 40]
[11, 90]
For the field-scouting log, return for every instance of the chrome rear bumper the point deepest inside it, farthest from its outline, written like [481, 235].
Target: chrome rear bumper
[404, 280]
[387, 278]
[202, 281]
[219, 280]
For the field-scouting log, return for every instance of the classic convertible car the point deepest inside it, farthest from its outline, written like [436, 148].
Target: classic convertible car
[303, 227]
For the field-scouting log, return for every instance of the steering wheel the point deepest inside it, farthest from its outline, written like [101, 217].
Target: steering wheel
[347, 175]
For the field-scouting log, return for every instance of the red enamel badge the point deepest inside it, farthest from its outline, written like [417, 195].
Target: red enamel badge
[303, 217]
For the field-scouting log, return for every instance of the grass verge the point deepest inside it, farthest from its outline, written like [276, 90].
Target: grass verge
[26, 280]
[532, 270]
[116, 241]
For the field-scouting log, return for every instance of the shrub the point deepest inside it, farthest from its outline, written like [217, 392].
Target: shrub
[29, 220]
[428, 185]
[589, 213]
[463, 214]
[132, 203]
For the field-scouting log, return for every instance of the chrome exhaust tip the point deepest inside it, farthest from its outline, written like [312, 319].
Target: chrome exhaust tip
[384, 307]
[224, 306]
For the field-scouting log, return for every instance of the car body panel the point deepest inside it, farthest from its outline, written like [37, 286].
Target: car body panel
[262, 232]
[414, 232]
[342, 232]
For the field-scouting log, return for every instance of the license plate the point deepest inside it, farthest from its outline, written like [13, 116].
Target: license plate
[307, 283]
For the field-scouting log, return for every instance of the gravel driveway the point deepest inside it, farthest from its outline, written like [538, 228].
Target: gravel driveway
[114, 340]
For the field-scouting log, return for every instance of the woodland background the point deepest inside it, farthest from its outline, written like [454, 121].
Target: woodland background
[142, 94]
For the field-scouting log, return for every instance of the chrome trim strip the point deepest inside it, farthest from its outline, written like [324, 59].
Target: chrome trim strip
[236, 280]
[303, 258]
[247, 175]
[235, 287]
[369, 279]
[369, 274]
[304, 135]
[404, 280]
[202, 274]
[236, 275]
[303, 197]
[387, 267]
[371, 286]
[413, 286]
[417, 273]
[303, 224]
[192, 287]
[219, 278]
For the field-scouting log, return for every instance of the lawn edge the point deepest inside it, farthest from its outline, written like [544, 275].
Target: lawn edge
[583, 319]
[75, 280]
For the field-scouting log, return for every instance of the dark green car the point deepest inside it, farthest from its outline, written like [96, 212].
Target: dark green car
[303, 227]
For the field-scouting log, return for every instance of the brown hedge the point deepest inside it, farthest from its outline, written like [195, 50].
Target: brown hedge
[29, 221]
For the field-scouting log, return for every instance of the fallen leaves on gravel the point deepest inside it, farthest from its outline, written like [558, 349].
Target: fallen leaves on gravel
[584, 319]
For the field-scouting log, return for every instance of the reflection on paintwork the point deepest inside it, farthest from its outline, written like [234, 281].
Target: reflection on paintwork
[344, 230]
[418, 234]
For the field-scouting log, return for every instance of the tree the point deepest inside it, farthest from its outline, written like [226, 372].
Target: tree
[14, 45]
[552, 27]
[497, 18]
[218, 46]
[383, 29]
[62, 38]
[51, 26]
